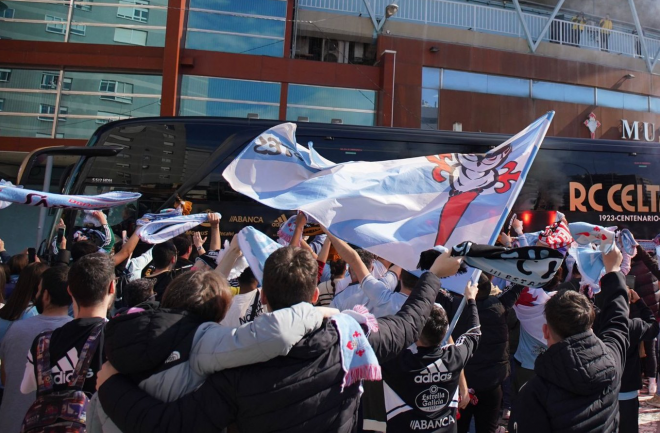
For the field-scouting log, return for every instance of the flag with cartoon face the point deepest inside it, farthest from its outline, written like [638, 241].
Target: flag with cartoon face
[395, 209]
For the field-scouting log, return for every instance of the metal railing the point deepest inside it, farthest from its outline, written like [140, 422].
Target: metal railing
[487, 19]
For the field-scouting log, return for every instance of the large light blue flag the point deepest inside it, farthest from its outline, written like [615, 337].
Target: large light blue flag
[395, 209]
[256, 247]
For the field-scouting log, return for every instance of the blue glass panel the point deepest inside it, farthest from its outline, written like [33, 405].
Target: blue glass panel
[326, 116]
[563, 92]
[332, 97]
[222, 88]
[227, 109]
[655, 105]
[431, 78]
[273, 8]
[466, 81]
[234, 44]
[226, 23]
[635, 102]
[607, 98]
[429, 98]
[508, 86]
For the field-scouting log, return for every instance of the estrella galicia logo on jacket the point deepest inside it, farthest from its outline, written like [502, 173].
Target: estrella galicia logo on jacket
[432, 399]
[426, 424]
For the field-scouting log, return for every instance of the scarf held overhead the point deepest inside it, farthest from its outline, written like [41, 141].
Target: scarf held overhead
[16, 194]
[162, 230]
[527, 266]
[395, 209]
[256, 248]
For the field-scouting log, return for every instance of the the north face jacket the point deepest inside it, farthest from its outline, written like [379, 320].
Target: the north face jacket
[170, 353]
[301, 392]
[577, 380]
[421, 383]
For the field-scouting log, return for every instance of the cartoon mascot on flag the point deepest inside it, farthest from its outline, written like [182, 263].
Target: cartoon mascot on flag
[469, 176]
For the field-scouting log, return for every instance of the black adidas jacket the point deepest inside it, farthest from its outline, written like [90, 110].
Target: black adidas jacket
[577, 380]
[300, 392]
[421, 384]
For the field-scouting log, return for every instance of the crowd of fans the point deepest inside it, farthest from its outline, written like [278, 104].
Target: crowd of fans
[176, 340]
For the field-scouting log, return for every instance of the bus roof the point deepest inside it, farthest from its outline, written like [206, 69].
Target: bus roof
[369, 132]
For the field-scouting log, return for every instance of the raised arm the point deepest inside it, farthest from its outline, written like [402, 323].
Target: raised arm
[109, 234]
[128, 248]
[216, 242]
[325, 250]
[613, 301]
[231, 255]
[301, 220]
[349, 255]
[399, 331]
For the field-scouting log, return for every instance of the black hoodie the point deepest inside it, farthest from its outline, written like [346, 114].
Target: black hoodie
[577, 380]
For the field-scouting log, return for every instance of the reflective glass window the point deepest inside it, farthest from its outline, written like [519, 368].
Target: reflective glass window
[430, 100]
[655, 105]
[206, 96]
[563, 92]
[254, 27]
[331, 105]
[627, 101]
[482, 83]
[134, 22]
[431, 78]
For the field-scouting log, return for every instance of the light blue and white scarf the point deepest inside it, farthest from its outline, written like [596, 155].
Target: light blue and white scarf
[10, 193]
[256, 247]
[162, 230]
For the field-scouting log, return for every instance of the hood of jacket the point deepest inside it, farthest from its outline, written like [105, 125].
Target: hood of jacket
[579, 364]
[140, 342]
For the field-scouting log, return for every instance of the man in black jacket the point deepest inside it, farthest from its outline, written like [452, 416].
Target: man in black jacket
[300, 392]
[421, 384]
[489, 367]
[578, 378]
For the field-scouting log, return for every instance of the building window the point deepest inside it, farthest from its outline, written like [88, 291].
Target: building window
[49, 80]
[481, 83]
[130, 36]
[2, 104]
[83, 7]
[77, 29]
[50, 109]
[331, 105]
[627, 101]
[7, 13]
[55, 28]
[563, 92]
[107, 117]
[109, 86]
[5, 74]
[134, 13]
[42, 135]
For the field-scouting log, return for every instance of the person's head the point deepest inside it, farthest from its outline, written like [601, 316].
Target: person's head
[290, 277]
[203, 293]
[368, 260]
[82, 248]
[567, 313]
[247, 281]
[607, 16]
[337, 268]
[17, 263]
[24, 292]
[435, 328]
[484, 286]
[183, 245]
[139, 291]
[52, 292]
[164, 255]
[408, 281]
[92, 280]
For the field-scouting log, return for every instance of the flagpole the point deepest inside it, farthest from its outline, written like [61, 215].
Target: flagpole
[500, 224]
